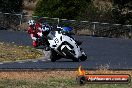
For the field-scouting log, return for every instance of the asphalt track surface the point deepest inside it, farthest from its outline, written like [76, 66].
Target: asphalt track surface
[111, 53]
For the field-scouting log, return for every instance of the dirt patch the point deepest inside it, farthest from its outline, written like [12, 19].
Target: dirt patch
[40, 75]
[84, 32]
[44, 75]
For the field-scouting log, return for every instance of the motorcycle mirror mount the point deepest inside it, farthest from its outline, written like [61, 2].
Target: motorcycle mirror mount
[58, 20]
[58, 27]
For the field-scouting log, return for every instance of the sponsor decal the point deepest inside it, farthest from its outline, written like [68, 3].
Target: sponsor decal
[83, 78]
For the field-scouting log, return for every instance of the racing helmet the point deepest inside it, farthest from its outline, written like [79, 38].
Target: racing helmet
[46, 27]
[31, 22]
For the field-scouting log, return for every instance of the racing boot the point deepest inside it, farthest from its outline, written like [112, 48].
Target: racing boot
[35, 44]
[47, 48]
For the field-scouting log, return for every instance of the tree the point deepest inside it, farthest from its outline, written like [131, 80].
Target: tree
[11, 6]
[69, 9]
[122, 11]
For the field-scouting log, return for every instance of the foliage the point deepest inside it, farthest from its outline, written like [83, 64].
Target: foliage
[11, 6]
[69, 9]
[122, 11]
[97, 10]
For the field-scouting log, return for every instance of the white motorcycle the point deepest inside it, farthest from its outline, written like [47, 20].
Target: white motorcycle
[64, 46]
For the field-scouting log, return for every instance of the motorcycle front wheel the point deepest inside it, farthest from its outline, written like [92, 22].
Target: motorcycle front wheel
[54, 56]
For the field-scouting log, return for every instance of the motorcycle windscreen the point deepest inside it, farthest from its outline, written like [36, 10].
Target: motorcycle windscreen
[51, 35]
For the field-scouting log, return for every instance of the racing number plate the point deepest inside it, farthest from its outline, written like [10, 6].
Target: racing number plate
[56, 40]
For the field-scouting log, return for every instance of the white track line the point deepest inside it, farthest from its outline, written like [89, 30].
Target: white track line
[35, 61]
[21, 62]
[1, 63]
[43, 60]
[48, 59]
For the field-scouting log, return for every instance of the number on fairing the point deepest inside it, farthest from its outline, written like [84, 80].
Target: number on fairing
[56, 40]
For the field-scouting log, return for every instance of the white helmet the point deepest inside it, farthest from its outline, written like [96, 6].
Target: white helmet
[31, 22]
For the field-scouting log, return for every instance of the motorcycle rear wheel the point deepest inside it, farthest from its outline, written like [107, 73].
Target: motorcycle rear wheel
[83, 58]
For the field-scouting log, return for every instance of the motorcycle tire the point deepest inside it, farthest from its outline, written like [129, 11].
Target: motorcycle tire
[75, 60]
[54, 56]
[83, 58]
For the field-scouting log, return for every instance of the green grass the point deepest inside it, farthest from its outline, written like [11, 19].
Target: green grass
[55, 83]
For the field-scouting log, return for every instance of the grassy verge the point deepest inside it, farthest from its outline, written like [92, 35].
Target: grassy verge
[55, 83]
[53, 79]
[11, 52]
